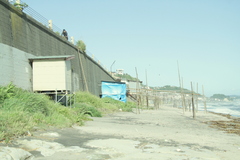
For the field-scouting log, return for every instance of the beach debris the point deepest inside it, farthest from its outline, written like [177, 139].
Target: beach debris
[179, 150]
[232, 126]
[51, 134]
[29, 133]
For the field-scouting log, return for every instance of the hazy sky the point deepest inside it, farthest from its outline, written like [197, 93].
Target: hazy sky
[203, 36]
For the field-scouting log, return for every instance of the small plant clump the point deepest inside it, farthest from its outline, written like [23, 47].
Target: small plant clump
[20, 6]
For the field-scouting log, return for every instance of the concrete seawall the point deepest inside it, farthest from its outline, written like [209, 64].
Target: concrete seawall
[22, 37]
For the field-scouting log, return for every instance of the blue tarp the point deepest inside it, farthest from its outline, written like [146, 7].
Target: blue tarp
[115, 90]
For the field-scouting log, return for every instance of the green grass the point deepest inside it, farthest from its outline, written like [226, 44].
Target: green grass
[22, 111]
[87, 100]
[104, 105]
[126, 107]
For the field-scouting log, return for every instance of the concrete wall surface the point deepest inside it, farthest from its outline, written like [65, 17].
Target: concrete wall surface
[22, 37]
[15, 67]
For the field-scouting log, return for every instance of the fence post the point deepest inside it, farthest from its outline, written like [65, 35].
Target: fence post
[72, 40]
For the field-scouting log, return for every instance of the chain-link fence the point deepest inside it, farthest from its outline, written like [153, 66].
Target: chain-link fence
[34, 14]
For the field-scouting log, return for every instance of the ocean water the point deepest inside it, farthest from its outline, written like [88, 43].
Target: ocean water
[231, 107]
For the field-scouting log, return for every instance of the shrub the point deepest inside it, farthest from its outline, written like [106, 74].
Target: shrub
[8, 91]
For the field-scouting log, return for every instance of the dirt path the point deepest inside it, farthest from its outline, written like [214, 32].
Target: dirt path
[164, 134]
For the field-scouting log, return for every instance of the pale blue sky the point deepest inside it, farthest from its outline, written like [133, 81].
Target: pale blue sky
[203, 36]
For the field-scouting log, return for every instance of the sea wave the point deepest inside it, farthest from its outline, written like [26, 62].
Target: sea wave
[232, 108]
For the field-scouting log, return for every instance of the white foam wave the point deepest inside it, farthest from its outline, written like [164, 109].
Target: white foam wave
[226, 108]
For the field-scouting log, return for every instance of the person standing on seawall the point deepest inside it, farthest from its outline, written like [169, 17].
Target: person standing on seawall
[65, 34]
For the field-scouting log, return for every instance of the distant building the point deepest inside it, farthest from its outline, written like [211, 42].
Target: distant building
[133, 85]
[120, 71]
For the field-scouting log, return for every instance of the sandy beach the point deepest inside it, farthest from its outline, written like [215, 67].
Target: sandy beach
[165, 134]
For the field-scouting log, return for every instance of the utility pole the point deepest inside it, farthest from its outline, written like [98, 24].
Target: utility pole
[111, 66]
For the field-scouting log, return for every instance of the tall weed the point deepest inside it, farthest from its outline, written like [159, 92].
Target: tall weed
[14, 123]
[21, 111]
[124, 106]
[104, 105]
[88, 98]
[85, 98]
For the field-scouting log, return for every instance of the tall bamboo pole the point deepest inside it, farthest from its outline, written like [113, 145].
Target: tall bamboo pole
[193, 108]
[137, 94]
[180, 86]
[184, 99]
[197, 99]
[146, 89]
[205, 106]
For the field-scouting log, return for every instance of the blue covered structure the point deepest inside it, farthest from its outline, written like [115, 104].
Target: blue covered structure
[115, 90]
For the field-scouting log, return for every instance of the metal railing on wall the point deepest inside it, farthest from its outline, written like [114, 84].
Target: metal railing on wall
[48, 23]
[34, 14]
